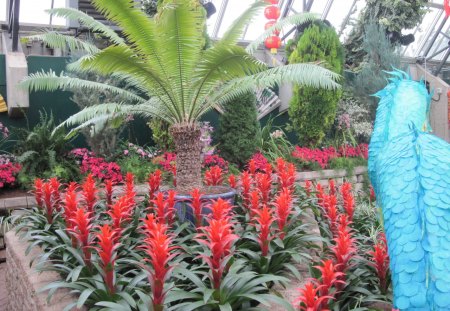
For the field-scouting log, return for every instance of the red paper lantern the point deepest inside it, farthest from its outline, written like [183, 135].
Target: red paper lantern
[270, 24]
[273, 43]
[272, 12]
[272, 1]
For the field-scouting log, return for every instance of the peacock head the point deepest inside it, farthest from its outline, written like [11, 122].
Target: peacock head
[406, 104]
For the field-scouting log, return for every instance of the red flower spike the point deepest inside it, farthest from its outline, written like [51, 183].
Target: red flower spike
[331, 187]
[343, 251]
[329, 204]
[264, 219]
[170, 207]
[281, 165]
[319, 194]
[347, 197]
[56, 195]
[160, 207]
[221, 209]
[308, 188]
[232, 181]
[268, 169]
[286, 177]
[218, 237]
[89, 192]
[252, 167]
[283, 209]
[213, 176]
[154, 182]
[159, 249]
[254, 203]
[264, 185]
[329, 277]
[108, 184]
[120, 212]
[372, 194]
[196, 205]
[82, 225]
[106, 248]
[38, 192]
[129, 185]
[246, 183]
[310, 299]
[47, 191]
[380, 261]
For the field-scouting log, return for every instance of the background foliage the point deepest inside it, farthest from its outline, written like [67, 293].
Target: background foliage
[312, 111]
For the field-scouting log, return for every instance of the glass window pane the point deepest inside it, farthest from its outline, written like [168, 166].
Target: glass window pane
[3, 11]
[32, 11]
[211, 22]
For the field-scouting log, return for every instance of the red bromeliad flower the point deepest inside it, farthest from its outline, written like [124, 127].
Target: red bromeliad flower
[329, 277]
[252, 167]
[264, 185]
[380, 261]
[56, 195]
[310, 299]
[106, 248]
[154, 182]
[232, 181]
[47, 191]
[221, 209]
[70, 207]
[319, 194]
[108, 191]
[268, 169]
[160, 207]
[349, 202]
[264, 219]
[89, 192]
[343, 223]
[286, 177]
[308, 188]
[218, 237]
[213, 176]
[280, 164]
[372, 194]
[283, 209]
[196, 205]
[38, 192]
[82, 225]
[331, 187]
[170, 207]
[254, 203]
[331, 212]
[120, 212]
[129, 187]
[159, 249]
[246, 182]
[343, 251]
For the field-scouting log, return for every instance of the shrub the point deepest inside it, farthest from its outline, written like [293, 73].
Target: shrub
[312, 111]
[238, 129]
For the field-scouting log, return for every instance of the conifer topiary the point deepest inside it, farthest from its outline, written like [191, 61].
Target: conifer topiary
[238, 130]
[312, 111]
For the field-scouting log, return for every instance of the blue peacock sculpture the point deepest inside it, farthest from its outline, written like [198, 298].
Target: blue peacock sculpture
[410, 171]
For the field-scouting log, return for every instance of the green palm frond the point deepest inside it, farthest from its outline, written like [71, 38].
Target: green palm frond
[292, 20]
[236, 29]
[180, 33]
[88, 21]
[50, 81]
[59, 41]
[304, 74]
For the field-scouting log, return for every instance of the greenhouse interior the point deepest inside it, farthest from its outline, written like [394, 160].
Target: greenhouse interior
[221, 155]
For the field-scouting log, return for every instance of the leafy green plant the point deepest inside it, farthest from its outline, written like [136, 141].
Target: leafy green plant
[165, 59]
[238, 129]
[161, 135]
[312, 111]
[42, 151]
[273, 142]
[138, 166]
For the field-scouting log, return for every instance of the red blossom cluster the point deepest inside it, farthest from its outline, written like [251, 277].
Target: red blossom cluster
[214, 176]
[97, 166]
[8, 173]
[48, 198]
[164, 207]
[210, 160]
[258, 162]
[381, 261]
[106, 251]
[324, 155]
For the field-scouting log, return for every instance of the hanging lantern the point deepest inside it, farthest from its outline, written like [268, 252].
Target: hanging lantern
[273, 43]
[274, 2]
[269, 24]
[272, 12]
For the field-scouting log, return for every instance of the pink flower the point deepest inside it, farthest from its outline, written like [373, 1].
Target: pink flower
[125, 152]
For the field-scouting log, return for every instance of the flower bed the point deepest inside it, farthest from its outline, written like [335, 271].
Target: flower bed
[124, 251]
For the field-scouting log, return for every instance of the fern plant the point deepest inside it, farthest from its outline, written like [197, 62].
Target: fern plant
[165, 59]
[42, 154]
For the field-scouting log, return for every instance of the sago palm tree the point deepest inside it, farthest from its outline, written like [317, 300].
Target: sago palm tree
[176, 78]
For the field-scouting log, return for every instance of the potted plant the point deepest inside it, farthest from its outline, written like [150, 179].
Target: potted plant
[177, 79]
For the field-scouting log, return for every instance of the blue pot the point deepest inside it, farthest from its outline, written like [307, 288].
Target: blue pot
[184, 208]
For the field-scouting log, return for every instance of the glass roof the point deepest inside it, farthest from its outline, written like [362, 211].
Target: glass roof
[342, 14]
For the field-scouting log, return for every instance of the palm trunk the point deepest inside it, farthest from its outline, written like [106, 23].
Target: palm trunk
[188, 149]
